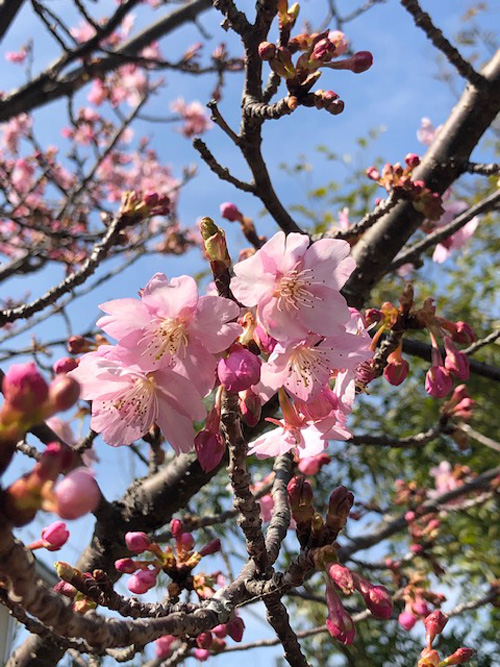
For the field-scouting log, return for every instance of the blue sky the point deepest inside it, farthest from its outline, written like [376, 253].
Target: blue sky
[396, 93]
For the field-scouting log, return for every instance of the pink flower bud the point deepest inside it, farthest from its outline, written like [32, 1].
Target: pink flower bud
[24, 388]
[463, 334]
[211, 548]
[201, 654]
[176, 528]
[64, 392]
[125, 565]
[339, 623]
[312, 464]
[372, 173]
[235, 628]
[210, 449]
[420, 607]
[204, 640]
[429, 658]
[395, 372]
[141, 581]
[240, 370]
[163, 646]
[361, 61]
[460, 657]
[220, 631]
[456, 362]
[379, 601]
[438, 382]
[77, 494]
[342, 577]
[137, 542]
[407, 619]
[186, 541]
[265, 342]
[230, 211]
[65, 365]
[79, 345]
[250, 407]
[412, 160]
[55, 535]
[66, 589]
[434, 625]
[267, 50]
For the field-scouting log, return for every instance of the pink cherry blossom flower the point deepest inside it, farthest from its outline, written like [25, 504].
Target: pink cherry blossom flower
[173, 325]
[126, 402]
[304, 367]
[195, 117]
[312, 464]
[426, 132]
[296, 288]
[16, 56]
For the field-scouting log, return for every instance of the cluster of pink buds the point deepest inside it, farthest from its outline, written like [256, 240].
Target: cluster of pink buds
[317, 51]
[139, 206]
[434, 625]
[29, 400]
[212, 642]
[74, 496]
[417, 597]
[396, 178]
[177, 563]
[377, 599]
[439, 377]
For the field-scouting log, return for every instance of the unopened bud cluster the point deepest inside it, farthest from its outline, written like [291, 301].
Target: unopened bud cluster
[178, 563]
[439, 377]
[318, 50]
[397, 179]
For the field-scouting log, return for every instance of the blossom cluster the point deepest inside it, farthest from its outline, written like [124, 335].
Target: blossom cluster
[295, 335]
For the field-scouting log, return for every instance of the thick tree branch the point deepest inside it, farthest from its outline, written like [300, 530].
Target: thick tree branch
[471, 117]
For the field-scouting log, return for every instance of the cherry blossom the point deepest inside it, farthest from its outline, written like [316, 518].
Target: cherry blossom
[296, 288]
[126, 401]
[172, 324]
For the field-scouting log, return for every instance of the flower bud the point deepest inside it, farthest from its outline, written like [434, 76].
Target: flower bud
[65, 365]
[407, 620]
[429, 658]
[463, 334]
[201, 654]
[235, 628]
[163, 646]
[239, 370]
[125, 565]
[361, 61]
[79, 345]
[396, 371]
[301, 496]
[210, 449]
[339, 506]
[186, 542]
[438, 382]
[377, 599]
[65, 589]
[64, 392]
[214, 242]
[342, 577]
[77, 494]
[456, 362]
[55, 535]
[204, 640]
[24, 388]
[142, 581]
[176, 528]
[312, 464]
[230, 211]
[412, 160]
[267, 51]
[460, 657]
[339, 623]
[250, 407]
[373, 174]
[137, 542]
[220, 631]
[211, 548]
[434, 625]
